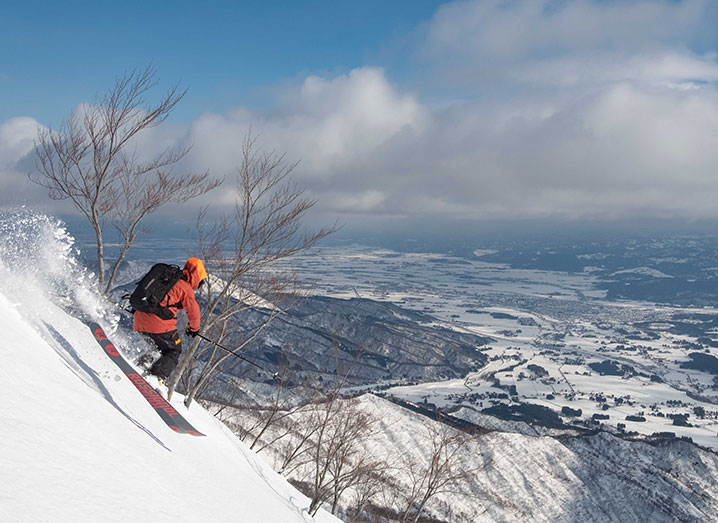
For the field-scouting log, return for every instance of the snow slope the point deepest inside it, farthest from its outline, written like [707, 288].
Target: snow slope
[598, 478]
[79, 443]
[534, 478]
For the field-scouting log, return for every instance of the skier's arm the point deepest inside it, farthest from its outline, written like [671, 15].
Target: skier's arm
[189, 304]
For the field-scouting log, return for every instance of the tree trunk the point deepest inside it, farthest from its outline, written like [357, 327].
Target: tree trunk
[314, 507]
[420, 508]
[264, 429]
[129, 240]
[184, 363]
[100, 255]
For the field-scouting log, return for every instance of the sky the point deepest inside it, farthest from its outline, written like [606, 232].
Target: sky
[399, 112]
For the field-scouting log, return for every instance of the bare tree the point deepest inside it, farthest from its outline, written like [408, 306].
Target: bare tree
[336, 460]
[323, 440]
[285, 403]
[445, 469]
[243, 422]
[242, 251]
[295, 452]
[350, 464]
[91, 160]
[369, 485]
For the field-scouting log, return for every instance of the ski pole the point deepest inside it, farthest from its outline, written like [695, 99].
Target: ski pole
[275, 375]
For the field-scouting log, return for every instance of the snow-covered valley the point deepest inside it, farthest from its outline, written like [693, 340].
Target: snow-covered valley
[557, 341]
[82, 445]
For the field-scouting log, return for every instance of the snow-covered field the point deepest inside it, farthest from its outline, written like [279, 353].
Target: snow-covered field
[79, 443]
[548, 327]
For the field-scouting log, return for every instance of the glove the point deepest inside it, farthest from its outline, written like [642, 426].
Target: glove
[190, 332]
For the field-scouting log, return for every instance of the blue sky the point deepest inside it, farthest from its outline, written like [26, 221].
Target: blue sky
[58, 54]
[401, 111]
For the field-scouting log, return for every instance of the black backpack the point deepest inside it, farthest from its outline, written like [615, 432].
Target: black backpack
[152, 289]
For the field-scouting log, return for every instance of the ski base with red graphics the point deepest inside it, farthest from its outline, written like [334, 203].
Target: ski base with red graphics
[164, 409]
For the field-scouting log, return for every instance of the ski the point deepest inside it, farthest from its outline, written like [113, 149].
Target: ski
[164, 409]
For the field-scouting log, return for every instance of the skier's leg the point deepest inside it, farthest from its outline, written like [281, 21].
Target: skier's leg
[170, 346]
[150, 355]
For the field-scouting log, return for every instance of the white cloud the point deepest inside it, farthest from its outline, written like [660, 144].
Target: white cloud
[333, 126]
[485, 42]
[577, 108]
[326, 122]
[623, 151]
[362, 202]
[513, 30]
[17, 136]
[659, 68]
[626, 150]
[368, 149]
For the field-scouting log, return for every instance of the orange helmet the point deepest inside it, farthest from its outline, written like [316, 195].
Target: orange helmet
[195, 271]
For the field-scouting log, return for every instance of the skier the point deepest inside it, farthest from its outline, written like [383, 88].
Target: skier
[163, 332]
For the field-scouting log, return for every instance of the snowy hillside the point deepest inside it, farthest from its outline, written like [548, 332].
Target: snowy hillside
[79, 443]
[516, 477]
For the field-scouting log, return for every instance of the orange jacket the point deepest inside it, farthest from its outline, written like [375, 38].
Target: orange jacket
[180, 296]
